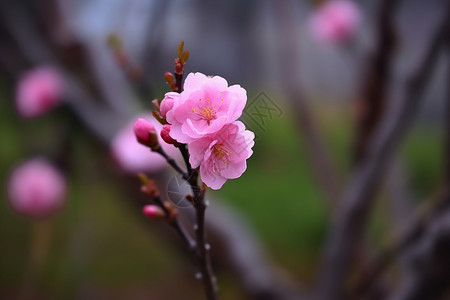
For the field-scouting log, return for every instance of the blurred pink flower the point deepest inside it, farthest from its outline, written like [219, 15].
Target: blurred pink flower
[204, 107]
[223, 155]
[133, 157]
[335, 21]
[38, 91]
[36, 189]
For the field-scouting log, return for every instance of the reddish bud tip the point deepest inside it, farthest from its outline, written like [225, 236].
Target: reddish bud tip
[169, 78]
[179, 66]
[153, 212]
[165, 135]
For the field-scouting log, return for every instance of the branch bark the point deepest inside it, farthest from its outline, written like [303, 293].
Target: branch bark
[372, 100]
[347, 226]
[324, 170]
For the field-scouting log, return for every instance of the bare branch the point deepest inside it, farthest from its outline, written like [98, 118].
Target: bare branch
[348, 225]
[371, 103]
[288, 46]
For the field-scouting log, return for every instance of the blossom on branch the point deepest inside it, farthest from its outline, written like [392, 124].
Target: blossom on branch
[222, 155]
[204, 107]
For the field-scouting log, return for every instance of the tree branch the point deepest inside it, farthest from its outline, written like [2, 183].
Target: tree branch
[347, 227]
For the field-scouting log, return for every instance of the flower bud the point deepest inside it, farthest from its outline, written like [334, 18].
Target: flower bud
[146, 134]
[153, 212]
[36, 189]
[165, 135]
[167, 103]
[179, 66]
[170, 79]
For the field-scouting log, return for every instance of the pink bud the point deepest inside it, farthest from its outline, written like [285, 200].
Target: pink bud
[38, 91]
[133, 157]
[145, 133]
[165, 135]
[153, 212]
[167, 103]
[36, 189]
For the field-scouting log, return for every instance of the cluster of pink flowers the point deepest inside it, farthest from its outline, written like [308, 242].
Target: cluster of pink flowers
[204, 117]
[336, 21]
[38, 91]
[36, 189]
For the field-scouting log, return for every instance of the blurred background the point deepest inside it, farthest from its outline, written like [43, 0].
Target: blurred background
[304, 104]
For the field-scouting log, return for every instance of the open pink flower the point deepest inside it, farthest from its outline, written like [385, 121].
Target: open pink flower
[133, 157]
[38, 91]
[336, 21]
[223, 155]
[204, 107]
[36, 189]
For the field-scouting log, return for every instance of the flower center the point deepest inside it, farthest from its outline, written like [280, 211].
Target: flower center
[222, 152]
[208, 113]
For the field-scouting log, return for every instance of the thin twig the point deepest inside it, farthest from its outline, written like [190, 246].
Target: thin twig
[185, 153]
[172, 162]
[176, 224]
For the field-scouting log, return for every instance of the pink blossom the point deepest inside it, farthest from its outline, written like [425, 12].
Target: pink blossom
[204, 107]
[223, 155]
[133, 157]
[168, 102]
[38, 91]
[335, 21]
[36, 189]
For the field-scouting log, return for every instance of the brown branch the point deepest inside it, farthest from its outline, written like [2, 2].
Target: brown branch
[324, 170]
[370, 105]
[416, 229]
[428, 276]
[347, 227]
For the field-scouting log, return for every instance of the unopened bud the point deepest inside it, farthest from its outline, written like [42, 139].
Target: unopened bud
[171, 209]
[146, 134]
[153, 212]
[179, 66]
[170, 79]
[165, 135]
[190, 198]
[150, 188]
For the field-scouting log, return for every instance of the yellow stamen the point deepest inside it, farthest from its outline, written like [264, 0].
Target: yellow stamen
[207, 112]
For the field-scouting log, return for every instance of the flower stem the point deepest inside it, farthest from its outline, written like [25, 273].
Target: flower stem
[202, 248]
[172, 162]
